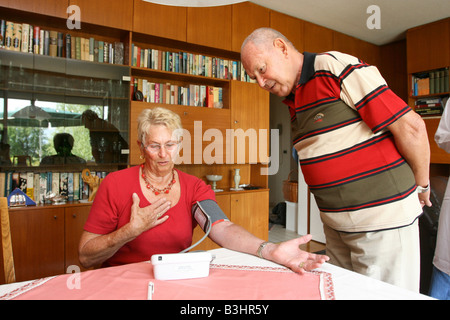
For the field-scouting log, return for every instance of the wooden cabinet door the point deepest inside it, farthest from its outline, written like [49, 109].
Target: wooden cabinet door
[290, 27]
[215, 119]
[38, 242]
[428, 46]
[209, 26]
[75, 217]
[317, 38]
[160, 20]
[251, 211]
[246, 18]
[249, 114]
[115, 14]
[54, 8]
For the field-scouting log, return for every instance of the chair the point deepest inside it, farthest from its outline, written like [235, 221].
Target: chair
[5, 231]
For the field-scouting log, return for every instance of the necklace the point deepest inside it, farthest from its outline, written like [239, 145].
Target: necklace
[157, 191]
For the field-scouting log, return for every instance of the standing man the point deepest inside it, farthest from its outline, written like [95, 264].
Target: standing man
[364, 155]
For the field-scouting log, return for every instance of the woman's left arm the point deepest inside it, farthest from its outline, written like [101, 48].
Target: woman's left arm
[288, 253]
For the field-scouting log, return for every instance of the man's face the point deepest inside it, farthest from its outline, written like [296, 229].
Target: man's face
[271, 67]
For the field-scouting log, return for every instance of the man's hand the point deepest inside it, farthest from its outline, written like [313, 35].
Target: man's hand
[424, 199]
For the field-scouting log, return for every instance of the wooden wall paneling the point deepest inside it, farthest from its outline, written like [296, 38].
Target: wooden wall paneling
[246, 18]
[54, 8]
[363, 50]
[115, 14]
[317, 38]
[428, 46]
[160, 20]
[393, 67]
[292, 28]
[209, 26]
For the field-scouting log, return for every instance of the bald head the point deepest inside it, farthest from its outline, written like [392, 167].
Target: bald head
[271, 59]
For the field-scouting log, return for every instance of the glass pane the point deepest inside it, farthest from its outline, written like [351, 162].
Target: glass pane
[62, 114]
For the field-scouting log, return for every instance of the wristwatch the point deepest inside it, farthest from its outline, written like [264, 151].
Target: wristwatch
[423, 189]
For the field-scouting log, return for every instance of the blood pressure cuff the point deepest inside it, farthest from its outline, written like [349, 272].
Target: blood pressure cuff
[208, 212]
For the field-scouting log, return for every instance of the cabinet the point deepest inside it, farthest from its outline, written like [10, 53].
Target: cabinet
[38, 242]
[250, 122]
[428, 46]
[209, 26]
[160, 20]
[45, 239]
[428, 50]
[75, 217]
[54, 8]
[246, 17]
[104, 12]
[290, 27]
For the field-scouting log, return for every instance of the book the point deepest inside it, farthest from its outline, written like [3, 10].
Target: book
[25, 37]
[53, 46]
[30, 185]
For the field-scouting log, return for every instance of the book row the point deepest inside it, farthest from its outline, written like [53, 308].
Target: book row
[430, 106]
[23, 37]
[432, 82]
[191, 95]
[38, 186]
[188, 63]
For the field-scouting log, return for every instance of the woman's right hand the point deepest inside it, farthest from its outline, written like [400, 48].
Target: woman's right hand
[143, 219]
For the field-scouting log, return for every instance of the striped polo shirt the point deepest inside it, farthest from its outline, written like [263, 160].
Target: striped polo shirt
[339, 113]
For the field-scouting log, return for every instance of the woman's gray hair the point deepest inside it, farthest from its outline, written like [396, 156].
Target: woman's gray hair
[159, 116]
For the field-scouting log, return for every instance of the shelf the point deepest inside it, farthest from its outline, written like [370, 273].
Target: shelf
[178, 77]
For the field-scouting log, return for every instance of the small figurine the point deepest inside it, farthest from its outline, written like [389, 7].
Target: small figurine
[93, 181]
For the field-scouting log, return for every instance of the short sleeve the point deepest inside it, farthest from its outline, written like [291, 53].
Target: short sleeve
[364, 89]
[202, 191]
[103, 217]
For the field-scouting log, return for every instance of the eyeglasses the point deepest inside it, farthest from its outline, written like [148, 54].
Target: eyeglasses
[168, 146]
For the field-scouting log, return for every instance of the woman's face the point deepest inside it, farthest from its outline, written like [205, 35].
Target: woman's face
[160, 149]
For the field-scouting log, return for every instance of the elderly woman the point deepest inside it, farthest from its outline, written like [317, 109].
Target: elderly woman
[147, 209]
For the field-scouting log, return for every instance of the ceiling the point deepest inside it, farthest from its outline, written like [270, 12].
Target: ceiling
[350, 16]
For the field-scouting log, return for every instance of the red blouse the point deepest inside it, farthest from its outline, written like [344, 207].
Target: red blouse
[111, 210]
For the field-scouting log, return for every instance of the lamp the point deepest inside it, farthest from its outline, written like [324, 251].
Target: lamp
[32, 112]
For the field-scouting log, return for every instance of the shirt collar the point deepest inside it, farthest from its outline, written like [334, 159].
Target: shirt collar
[307, 67]
[306, 74]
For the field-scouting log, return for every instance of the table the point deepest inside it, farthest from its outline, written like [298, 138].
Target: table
[228, 269]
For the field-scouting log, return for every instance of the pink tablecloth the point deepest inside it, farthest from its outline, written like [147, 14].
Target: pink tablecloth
[225, 282]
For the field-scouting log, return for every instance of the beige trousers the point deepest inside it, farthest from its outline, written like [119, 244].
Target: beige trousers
[391, 256]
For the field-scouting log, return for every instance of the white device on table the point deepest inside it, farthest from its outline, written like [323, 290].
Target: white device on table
[176, 266]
